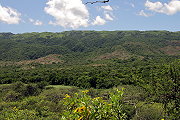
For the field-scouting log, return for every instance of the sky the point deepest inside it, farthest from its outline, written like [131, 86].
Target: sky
[21, 16]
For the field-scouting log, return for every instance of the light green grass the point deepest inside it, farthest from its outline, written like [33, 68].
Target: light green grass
[1, 85]
[59, 86]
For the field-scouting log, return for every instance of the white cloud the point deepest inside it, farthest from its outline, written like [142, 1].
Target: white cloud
[9, 15]
[108, 17]
[99, 21]
[166, 8]
[107, 13]
[132, 5]
[31, 20]
[68, 13]
[36, 22]
[109, 8]
[142, 13]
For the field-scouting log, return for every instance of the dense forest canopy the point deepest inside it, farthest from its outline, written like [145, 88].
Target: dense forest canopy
[89, 44]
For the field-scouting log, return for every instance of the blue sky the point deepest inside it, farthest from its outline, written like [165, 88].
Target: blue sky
[20, 16]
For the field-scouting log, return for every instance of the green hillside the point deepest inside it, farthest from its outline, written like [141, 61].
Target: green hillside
[43, 75]
[89, 45]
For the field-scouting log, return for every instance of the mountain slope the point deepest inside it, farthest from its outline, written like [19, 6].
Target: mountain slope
[89, 45]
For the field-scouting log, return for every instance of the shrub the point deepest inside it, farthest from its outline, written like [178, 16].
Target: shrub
[83, 107]
[31, 90]
[12, 96]
[57, 94]
[149, 112]
[26, 90]
[42, 84]
[16, 114]
[18, 87]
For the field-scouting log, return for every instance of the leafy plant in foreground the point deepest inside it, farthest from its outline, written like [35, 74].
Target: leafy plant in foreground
[82, 107]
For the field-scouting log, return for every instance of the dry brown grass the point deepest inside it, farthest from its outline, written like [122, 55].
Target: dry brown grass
[171, 50]
[120, 54]
[97, 65]
[50, 59]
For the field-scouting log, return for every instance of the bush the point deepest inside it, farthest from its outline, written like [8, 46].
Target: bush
[83, 107]
[149, 112]
[12, 96]
[57, 94]
[42, 84]
[16, 114]
[129, 110]
[31, 90]
[18, 87]
[25, 114]
[26, 90]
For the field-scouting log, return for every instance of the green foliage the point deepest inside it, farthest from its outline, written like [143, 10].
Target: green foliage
[12, 96]
[165, 88]
[83, 107]
[42, 108]
[146, 63]
[26, 90]
[149, 112]
[56, 94]
[85, 44]
[42, 84]
[18, 91]
[68, 103]
[30, 108]
[16, 114]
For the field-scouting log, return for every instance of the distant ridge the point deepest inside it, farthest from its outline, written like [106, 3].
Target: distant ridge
[89, 45]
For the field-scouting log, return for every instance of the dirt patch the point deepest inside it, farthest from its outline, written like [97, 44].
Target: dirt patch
[171, 50]
[97, 65]
[50, 59]
[6, 63]
[120, 54]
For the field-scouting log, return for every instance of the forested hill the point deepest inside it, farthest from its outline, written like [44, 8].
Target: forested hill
[89, 45]
[40, 68]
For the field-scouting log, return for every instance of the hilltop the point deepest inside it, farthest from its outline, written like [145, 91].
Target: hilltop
[89, 45]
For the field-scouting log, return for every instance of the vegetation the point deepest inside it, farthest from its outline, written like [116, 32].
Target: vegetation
[123, 75]
[89, 45]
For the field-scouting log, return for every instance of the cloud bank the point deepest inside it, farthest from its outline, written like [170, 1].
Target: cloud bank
[74, 14]
[166, 8]
[108, 12]
[99, 21]
[68, 13]
[9, 15]
[108, 17]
